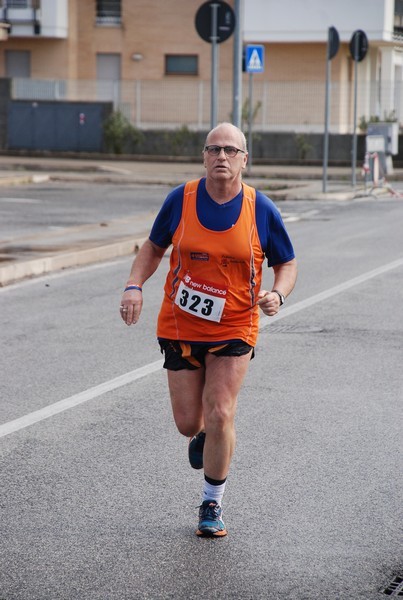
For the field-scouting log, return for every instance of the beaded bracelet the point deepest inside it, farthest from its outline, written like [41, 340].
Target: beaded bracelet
[133, 287]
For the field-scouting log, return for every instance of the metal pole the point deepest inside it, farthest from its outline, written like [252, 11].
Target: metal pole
[237, 76]
[327, 103]
[200, 106]
[138, 103]
[250, 122]
[214, 63]
[354, 157]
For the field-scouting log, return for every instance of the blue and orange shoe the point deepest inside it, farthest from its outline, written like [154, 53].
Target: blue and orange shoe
[210, 521]
[195, 451]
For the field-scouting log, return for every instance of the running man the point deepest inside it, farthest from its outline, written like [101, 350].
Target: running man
[221, 232]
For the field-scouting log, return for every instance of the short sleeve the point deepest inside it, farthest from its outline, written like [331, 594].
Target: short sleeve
[273, 235]
[167, 220]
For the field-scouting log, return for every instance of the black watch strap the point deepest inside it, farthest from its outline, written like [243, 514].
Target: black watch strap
[280, 295]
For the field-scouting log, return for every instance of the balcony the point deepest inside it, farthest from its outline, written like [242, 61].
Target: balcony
[35, 18]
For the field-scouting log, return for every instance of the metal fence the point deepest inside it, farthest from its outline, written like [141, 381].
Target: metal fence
[296, 106]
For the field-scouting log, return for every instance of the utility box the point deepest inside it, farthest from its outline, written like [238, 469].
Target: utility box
[375, 143]
[390, 132]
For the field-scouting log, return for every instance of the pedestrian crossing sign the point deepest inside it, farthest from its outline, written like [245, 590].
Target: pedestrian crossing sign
[254, 59]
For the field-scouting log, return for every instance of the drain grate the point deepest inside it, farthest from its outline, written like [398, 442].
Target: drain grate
[395, 588]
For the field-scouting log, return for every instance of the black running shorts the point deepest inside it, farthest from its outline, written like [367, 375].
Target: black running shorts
[184, 355]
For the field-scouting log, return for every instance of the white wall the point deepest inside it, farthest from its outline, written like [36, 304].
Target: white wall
[54, 18]
[309, 20]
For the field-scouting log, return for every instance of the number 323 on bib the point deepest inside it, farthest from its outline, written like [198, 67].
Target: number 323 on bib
[201, 298]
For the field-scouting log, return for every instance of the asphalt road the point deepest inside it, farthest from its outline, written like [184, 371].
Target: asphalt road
[30, 209]
[97, 499]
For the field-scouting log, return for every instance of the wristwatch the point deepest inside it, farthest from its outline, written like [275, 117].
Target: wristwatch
[282, 298]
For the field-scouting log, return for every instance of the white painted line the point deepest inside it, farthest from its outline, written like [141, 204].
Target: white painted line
[21, 200]
[115, 169]
[337, 289]
[94, 392]
[40, 178]
[113, 384]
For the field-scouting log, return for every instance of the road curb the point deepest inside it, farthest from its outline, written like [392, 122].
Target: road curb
[15, 272]
[21, 179]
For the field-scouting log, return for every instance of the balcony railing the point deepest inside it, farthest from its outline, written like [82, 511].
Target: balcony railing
[109, 12]
[20, 4]
[398, 34]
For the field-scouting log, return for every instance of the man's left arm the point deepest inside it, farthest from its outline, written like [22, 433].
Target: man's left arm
[285, 276]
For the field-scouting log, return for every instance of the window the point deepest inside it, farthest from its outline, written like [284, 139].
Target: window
[399, 15]
[181, 64]
[109, 12]
[108, 67]
[18, 63]
[108, 77]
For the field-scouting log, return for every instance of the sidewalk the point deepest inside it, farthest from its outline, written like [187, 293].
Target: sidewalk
[51, 251]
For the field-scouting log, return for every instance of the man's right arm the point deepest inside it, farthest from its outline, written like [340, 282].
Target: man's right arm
[144, 265]
[151, 253]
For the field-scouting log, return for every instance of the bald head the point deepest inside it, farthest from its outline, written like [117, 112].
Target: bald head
[224, 129]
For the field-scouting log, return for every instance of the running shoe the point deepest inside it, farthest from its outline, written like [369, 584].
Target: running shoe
[196, 445]
[210, 521]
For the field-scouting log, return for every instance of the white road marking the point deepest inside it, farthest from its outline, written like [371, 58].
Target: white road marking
[21, 200]
[117, 382]
[115, 169]
[337, 289]
[77, 399]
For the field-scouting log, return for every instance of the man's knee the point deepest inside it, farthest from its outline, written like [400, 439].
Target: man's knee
[188, 426]
[219, 415]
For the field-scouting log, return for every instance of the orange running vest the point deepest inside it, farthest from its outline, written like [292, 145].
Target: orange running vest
[214, 277]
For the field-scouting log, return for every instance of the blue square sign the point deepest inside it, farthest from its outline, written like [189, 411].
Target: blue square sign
[254, 59]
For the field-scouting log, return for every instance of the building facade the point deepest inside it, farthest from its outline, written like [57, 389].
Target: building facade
[148, 59]
[295, 33]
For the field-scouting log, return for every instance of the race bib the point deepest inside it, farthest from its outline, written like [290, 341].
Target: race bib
[201, 298]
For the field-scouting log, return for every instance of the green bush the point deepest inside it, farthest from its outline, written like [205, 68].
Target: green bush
[303, 146]
[120, 136]
[182, 141]
[387, 118]
[245, 113]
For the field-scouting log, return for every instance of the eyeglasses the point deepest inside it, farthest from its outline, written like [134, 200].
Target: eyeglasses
[230, 151]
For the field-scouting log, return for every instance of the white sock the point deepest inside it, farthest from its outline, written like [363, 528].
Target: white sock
[213, 492]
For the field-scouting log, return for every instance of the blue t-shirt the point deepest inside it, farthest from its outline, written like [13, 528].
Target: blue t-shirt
[273, 236]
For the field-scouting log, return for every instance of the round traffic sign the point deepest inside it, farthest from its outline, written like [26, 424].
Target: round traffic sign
[358, 45]
[333, 42]
[225, 21]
